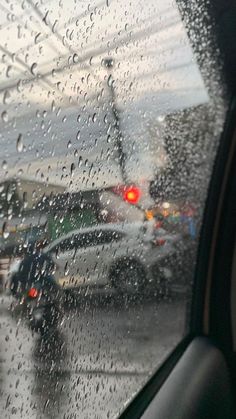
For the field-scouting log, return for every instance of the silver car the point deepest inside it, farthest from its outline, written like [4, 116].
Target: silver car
[122, 255]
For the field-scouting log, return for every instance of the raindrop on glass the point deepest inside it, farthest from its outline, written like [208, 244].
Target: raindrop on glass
[9, 68]
[4, 116]
[109, 81]
[4, 165]
[94, 117]
[54, 26]
[19, 143]
[6, 96]
[45, 19]
[75, 58]
[36, 39]
[5, 232]
[33, 69]
[72, 169]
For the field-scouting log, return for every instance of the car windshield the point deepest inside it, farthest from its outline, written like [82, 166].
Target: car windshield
[111, 115]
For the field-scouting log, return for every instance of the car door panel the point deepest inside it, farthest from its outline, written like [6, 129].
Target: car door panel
[203, 392]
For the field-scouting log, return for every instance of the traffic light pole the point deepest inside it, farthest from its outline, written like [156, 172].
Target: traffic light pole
[108, 63]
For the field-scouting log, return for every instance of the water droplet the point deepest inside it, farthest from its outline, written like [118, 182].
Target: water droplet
[25, 199]
[69, 144]
[36, 39]
[75, 58]
[54, 26]
[6, 96]
[109, 81]
[19, 144]
[45, 19]
[94, 117]
[4, 165]
[5, 231]
[9, 68]
[4, 116]
[53, 106]
[80, 161]
[57, 253]
[46, 404]
[72, 169]
[33, 68]
[19, 86]
[78, 135]
[71, 35]
[66, 270]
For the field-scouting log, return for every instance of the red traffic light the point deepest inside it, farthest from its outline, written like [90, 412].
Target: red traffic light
[132, 194]
[129, 193]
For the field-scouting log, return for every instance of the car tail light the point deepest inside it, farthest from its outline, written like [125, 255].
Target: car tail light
[33, 293]
[158, 224]
[159, 242]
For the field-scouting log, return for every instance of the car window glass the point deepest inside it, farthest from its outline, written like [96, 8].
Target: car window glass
[66, 245]
[111, 115]
[83, 240]
[103, 237]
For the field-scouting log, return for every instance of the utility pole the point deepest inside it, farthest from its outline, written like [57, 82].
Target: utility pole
[109, 64]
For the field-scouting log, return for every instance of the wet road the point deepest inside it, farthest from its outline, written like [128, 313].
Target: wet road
[92, 366]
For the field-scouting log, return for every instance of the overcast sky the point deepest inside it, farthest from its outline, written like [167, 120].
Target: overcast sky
[52, 71]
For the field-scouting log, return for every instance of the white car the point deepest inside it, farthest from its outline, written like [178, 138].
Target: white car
[120, 254]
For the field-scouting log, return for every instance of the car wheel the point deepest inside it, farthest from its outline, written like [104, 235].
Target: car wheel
[128, 277]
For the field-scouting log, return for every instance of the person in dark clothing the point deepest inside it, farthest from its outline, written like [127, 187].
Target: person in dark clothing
[35, 274]
[36, 267]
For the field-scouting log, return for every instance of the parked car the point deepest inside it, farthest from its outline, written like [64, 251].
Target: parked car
[122, 255]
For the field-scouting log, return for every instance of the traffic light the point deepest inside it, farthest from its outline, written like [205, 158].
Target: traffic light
[132, 195]
[129, 193]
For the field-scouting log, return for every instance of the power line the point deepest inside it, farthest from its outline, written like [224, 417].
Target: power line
[43, 80]
[100, 51]
[47, 36]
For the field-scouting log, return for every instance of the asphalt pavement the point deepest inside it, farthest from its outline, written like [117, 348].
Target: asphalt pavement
[93, 365]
